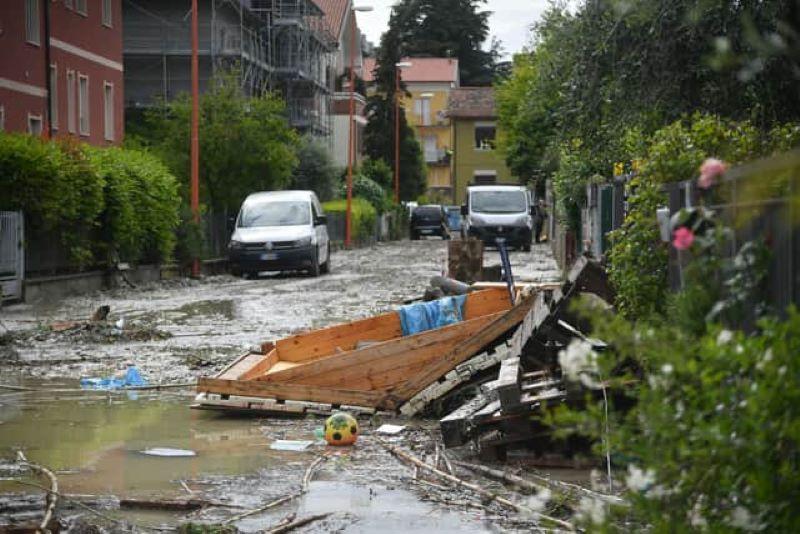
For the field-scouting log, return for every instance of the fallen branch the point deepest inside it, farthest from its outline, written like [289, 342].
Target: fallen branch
[72, 500]
[172, 504]
[502, 476]
[307, 476]
[560, 485]
[462, 483]
[298, 523]
[52, 497]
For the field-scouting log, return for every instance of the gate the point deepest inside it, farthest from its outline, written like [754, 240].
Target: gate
[12, 255]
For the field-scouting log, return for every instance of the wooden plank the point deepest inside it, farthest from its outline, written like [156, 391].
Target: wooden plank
[389, 354]
[466, 349]
[488, 301]
[455, 426]
[262, 366]
[255, 388]
[241, 366]
[508, 387]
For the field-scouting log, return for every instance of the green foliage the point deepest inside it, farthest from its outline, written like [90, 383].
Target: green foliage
[141, 206]
[246, 144]
[120, 204]
[364, 216]
[569, 182]
[367, 189]
[315, 169]
[379, 172]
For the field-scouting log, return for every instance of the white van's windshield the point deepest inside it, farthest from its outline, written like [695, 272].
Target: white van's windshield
[498, 202]
[276, 213]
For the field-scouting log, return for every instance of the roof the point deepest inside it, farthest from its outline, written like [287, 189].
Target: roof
[278, 195]
[422, 70]
[472, 102]
[335, 13]
[498, 187]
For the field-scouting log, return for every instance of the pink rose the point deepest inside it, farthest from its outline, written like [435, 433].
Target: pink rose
[709, 171]
[682, 238]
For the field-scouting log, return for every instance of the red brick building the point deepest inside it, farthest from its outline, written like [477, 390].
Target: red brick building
[73, 47]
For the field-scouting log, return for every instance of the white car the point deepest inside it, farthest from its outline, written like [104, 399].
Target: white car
[280, 231]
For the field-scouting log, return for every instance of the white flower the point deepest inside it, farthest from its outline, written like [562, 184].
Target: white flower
[579, 362]
[592, 510]
[768, 355]
[695, 515]
[638, 479]
[667, 368]
[782, 370]
[742, 518]
[538, 502]
[725, 336]
[739, 349]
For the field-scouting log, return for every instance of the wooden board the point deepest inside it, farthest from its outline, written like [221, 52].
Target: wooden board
[255, 388]
[507, 384]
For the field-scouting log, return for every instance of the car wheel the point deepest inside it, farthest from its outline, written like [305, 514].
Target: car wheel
[326, 267]
[315, 267]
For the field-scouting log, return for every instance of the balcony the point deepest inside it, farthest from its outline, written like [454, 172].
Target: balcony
[438, 156]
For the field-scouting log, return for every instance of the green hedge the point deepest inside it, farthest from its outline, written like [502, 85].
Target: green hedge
[364, 215]
[95, 201]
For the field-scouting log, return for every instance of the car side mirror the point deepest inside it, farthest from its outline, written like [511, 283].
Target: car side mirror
[464, 211]
[532, 210]
[319, 220]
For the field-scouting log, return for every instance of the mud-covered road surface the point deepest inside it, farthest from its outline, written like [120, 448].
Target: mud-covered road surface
[176, 330]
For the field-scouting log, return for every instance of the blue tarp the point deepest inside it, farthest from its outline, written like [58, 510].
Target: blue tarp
[422, 316]
[132, 378]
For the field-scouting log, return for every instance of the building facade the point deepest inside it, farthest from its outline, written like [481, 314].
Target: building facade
[429, 82]
[476, 161]
[61, 70]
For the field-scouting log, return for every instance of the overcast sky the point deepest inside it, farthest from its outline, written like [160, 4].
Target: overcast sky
[509, 22]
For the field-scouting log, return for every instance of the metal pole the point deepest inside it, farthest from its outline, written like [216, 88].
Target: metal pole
[397, 135]
[195, 145]
[351, 131]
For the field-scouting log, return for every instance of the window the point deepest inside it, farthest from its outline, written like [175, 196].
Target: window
[485, 178]
[35, 124]
[83, 104]
[422, 108]
[108, 17]
[80, 7]
[108, 106]
[2, 119]
[484, 135]
[431, 151]
[32, 21]
[54, 97]
[71, 101]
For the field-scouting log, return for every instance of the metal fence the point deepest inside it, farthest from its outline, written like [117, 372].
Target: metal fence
[12, 255]
[760, 202]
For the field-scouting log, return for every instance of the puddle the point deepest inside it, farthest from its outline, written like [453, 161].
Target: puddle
[223, 309]
[94, 441]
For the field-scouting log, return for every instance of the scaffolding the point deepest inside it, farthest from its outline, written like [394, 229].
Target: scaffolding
[270, 45]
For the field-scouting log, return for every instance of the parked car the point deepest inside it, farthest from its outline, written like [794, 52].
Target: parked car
[280, 231]
[453, 218]
[429, 220]
[493, 211]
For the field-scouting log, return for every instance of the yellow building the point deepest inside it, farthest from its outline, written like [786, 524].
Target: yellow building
[429, 80]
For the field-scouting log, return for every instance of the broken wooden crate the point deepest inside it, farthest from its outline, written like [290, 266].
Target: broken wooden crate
[364, 365]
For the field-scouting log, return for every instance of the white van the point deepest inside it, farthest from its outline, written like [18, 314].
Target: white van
[493, 211]
[280, 231]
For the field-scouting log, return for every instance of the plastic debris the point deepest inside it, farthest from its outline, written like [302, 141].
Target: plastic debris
[169, 453]
[390, 429]
[131, 378]
[290, 445]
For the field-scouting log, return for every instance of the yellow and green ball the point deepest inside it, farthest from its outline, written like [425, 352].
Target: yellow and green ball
[341, 429]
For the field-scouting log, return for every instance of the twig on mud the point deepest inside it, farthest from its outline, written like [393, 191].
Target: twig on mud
[73, 501]
[307, 476]
[447, 462]
[296, 524]
[560, 485]
[462, 483]
[502, 476]
[52, 493]
[186, 487]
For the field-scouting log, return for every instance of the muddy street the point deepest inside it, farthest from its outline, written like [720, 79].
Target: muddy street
[176, 330]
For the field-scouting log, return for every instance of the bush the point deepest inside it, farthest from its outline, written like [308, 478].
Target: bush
[364, 216]
[379, 172]
[95, 200]
[142, 202]
[315, 169]
[367, 189]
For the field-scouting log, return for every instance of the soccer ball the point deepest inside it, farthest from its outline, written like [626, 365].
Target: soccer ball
[341, 429]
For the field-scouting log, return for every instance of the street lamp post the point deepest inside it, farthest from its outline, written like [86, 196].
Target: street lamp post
[195, 140]
[352, 126]
[398, 67]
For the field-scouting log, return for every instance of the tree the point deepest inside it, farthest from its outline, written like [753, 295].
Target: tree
[315, 169]
[246, 143]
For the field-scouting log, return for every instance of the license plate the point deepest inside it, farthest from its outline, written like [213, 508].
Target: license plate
[269, 256]
[426, 231]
